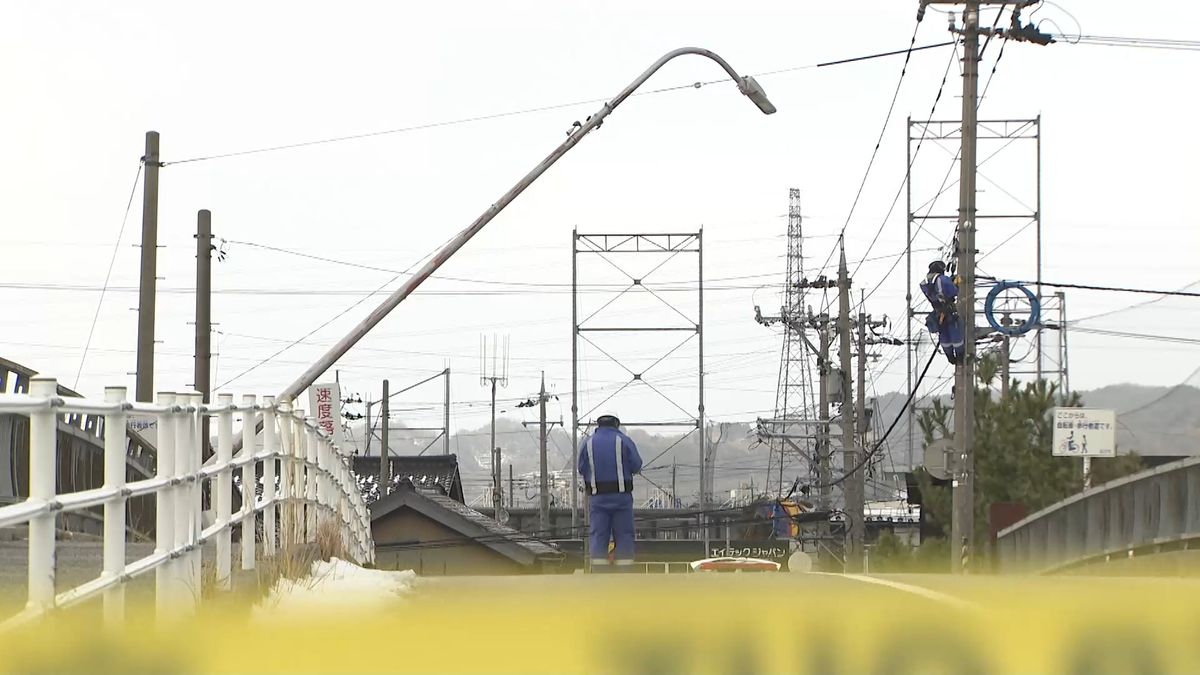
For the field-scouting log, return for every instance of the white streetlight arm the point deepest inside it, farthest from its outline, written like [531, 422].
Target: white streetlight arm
[746, 85]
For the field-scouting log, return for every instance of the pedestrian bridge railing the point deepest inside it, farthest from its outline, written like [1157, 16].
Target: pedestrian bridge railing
[294, 485]
[1153, 511]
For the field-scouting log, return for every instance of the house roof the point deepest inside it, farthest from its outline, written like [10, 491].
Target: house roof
[516, 546]
[430, 472]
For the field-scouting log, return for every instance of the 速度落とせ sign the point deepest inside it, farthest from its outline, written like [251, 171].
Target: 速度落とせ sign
[326, 402]
[1085, 432]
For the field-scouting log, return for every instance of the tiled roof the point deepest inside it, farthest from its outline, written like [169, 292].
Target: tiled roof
[427, 472]
[535, 546]
[468, 522]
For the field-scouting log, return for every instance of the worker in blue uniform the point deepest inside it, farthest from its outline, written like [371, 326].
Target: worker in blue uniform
[608, 460]
[944, 320]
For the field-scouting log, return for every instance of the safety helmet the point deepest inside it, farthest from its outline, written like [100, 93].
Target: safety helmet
[937, 267]
[608, 419]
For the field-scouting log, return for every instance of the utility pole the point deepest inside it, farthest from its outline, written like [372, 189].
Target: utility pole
[859, 479]
[673, 493]
[446, 419]
[854, 484]
[493, 374]
[385, 421]
[962, 527]
[149, 274]
[1005, 360]
[511, 495]
[203, 370]
[497, 500]
[543, 477]
[824, 460]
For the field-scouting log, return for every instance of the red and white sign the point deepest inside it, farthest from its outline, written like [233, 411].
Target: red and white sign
[325, 401]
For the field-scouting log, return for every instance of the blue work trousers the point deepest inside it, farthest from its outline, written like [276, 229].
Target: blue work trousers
[611, 518]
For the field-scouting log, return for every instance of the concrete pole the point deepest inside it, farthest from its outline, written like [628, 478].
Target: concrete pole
[910, 413]
[385, 467]
[512, 503]
[144, 392]
[700, 409]
[446, 420]
[962, 530]
[497, 489]
[850, 459]
[1005, 359]
[203, 374]
[858, 482]
[575, 388]
[824, 463]
[673, 493]
[544, 478]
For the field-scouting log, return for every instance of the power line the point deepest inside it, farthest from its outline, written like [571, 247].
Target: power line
[1130, 42]
[1112, 289]
[878, 142]
[1138, 336]
[526, 111]
[1131, 307]
[323, 325]
[108, 275]
[899, 416]
[896, 199]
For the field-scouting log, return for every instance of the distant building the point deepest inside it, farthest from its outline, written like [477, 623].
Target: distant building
[423, 525]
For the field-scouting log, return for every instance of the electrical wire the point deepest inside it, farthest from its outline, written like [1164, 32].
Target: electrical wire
[512, 113]
[1134, 43]
[331, 320]
[879, 444]
[878, 142]
[899, 191]
[108, 275]
[1131, 307]
[1138, 336]
[1111, 289]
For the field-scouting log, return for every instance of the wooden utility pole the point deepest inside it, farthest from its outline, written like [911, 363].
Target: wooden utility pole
[148, 284]
[202, 380]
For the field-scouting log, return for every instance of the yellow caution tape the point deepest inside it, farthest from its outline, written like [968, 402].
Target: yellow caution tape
[696, 623]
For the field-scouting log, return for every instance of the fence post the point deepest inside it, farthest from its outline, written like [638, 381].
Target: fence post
[183, 506]
[43, 470]
[164, 506]
[271, 449]
[312, 481]
[249, 481]
[114, 509]
[299, 454]
[223, 495]
[286, 443]
[196, 490]
[322, 475]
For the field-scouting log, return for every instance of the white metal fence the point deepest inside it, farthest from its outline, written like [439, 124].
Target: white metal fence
[306, 485]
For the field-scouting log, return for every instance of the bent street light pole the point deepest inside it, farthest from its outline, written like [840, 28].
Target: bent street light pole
[746, 85]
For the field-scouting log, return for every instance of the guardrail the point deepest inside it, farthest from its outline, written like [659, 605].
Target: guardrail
[306, 482]
[1149, 512]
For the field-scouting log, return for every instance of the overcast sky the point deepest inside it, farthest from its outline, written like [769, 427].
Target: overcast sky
[84, 81]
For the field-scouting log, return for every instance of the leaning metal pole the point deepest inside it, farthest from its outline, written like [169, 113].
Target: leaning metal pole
[746, 85]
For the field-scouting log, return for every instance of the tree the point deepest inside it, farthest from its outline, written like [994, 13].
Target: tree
[1013, 460]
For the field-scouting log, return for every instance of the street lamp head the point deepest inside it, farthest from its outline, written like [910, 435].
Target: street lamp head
[754, 91]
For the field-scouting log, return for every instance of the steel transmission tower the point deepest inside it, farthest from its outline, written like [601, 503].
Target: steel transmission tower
[790, 434]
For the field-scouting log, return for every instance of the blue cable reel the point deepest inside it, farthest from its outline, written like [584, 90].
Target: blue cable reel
[1035, 309]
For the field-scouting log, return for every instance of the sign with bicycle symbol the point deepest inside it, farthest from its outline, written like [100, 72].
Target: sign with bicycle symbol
[1085, 432]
